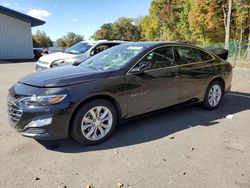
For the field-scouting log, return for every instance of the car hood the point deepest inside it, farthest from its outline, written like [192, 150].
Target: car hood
[63, 76]
[60, 55]
[55, 56]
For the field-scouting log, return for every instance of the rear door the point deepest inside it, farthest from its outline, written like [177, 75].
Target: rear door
[155, 88]
[195, 70]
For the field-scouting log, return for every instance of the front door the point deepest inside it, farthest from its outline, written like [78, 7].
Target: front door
[155, 88]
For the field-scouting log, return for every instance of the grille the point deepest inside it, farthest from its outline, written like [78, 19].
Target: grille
[15, 112]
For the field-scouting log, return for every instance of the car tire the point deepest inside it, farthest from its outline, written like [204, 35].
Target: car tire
[94, 122]
[213, 95]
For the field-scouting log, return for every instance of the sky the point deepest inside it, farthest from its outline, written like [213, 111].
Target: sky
[80, 16]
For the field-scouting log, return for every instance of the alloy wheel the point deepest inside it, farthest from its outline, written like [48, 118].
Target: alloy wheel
[214, 95]
[96, 123]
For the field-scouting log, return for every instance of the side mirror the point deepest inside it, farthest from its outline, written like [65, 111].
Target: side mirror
[92, 53]
[142, 67]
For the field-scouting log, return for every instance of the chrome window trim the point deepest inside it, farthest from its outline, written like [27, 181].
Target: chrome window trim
[172, 45]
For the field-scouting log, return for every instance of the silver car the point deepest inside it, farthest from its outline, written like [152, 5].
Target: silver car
[74, 55]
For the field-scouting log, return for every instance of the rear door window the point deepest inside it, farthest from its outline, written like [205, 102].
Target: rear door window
[160, 58]
[186, 55]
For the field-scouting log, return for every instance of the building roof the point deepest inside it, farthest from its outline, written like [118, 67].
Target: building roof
[21, 16]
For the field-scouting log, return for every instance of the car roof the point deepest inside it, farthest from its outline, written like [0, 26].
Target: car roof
[145, 44]
[156, 43]
[103, 41]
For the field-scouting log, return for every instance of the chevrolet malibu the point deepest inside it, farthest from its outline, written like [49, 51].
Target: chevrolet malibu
[88, 100]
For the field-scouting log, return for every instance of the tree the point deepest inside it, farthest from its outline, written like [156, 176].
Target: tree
[184, 25]
[227, 22]
[105, 32]
[171, 14]
[205, 20]
[123, 29]
[41, 40]
[69, 40]
[241, 23]
[211, 21]
[157, 12]
[148, 28]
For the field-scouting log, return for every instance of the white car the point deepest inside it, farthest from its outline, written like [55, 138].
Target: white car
[73, 55]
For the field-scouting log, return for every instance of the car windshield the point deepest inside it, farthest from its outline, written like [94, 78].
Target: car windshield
[79, 48]
[113, 58]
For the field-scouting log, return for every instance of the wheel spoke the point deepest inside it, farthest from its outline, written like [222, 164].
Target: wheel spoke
[90, 132]
[98, 110]
[87, 120]
[214, 102]
[106, 119]
[95, 134]
[105, 113]
[106, 126]
[84, 127]
[93, 114]
[102, 131]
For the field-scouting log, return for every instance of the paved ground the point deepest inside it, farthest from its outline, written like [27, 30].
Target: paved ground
[183, 147]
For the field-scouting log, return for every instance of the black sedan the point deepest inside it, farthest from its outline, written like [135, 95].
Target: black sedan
[87, 101]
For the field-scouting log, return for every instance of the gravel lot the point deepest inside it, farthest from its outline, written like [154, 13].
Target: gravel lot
[181, 147]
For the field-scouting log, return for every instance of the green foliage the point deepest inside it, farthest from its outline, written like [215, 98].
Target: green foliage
[122, 29]
[148, 27]
[206, 21]
[241, 19]
[198, 21]
[183, 25]
[69, 40]
[105, 32]
[41, 40]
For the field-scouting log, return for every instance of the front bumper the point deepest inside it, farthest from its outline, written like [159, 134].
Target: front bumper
[23, 120]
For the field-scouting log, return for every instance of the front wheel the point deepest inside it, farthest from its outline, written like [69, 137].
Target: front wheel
[213, 95]
[94, 122]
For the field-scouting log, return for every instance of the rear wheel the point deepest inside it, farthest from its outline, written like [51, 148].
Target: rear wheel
[94, 122]
[213, 95]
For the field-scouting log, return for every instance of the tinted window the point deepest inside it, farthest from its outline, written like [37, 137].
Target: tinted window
[191, 55]
[161, 57]
[99, 49]
[102, 47]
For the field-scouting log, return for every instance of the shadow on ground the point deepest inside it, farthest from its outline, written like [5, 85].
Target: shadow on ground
[159, 124]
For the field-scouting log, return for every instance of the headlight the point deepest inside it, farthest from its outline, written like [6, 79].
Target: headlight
[57, 63]
[42, 100]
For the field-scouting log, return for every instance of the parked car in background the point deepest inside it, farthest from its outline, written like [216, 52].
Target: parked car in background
[46, 51]
[87, 101]
[55, 49]
[75, 54]
[37, 53]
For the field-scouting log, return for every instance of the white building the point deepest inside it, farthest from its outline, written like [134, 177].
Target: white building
[15, 34]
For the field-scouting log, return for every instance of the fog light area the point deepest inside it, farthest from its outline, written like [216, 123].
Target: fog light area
[39, 122]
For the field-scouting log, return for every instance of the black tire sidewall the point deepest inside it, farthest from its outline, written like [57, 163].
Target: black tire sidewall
[206, 103]
[76, 132]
